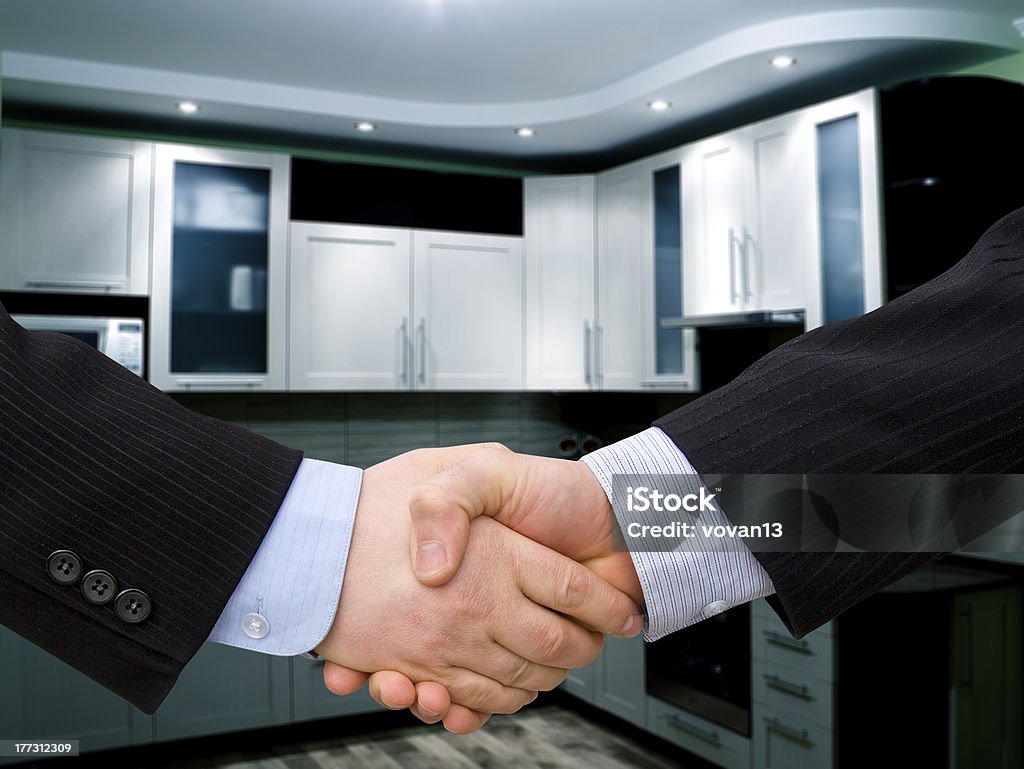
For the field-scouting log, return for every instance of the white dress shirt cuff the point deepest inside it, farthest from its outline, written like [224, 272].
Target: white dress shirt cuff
[681, 586]
[287, 599]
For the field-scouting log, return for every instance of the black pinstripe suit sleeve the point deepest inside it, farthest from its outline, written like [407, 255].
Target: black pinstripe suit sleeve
[94, 460]
[930, 383]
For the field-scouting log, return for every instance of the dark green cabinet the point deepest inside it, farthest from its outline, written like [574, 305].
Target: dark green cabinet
[615, 681]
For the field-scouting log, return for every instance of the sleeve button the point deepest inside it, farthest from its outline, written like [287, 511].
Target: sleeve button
[715, 607]
[255, 625]
[64, 567]
[133, 606]
[99, 587]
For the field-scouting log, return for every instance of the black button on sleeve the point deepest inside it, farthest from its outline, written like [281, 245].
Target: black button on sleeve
[64, 567]
[99, 587]
[133, 606]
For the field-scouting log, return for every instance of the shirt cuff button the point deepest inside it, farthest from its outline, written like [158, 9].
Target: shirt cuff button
[715, 607]
[255, 625]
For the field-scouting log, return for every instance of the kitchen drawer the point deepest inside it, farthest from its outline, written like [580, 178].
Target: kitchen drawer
[779, 689]
[811, 655]
[710, 741]
[764, 614]
[786, 742]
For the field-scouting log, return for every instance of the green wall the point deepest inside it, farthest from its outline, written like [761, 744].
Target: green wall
[1007, 67]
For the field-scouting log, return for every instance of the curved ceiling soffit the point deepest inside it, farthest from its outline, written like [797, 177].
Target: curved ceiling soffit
[784, 34]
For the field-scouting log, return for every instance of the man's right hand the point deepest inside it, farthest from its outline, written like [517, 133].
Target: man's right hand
[555, 502]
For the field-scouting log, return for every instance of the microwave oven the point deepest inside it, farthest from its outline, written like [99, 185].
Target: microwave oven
[122, 339]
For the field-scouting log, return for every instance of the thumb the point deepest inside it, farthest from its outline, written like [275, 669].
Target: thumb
[480, 483]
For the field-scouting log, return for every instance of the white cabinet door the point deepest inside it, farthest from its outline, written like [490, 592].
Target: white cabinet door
[560, 292]
[715, 220]
[349, 308]
[467, 311]
[779, 234]
[220, 249]
[74, 213]
[623, 241]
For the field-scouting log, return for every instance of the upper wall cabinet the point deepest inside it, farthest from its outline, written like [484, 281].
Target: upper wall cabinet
[375, 308]
[220, 243]
[748, 195]
[74, 213]
[561, 311]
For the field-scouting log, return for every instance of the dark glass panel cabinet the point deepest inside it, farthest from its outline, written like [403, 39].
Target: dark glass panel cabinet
[219, 269]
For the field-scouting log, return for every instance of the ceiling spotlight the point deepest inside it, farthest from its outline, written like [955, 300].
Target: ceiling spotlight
[188, 107]
[659, 105]
[525, 132]
[366, 126]
[783, 62]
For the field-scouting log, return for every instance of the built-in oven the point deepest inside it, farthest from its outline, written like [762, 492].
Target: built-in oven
[705, 669]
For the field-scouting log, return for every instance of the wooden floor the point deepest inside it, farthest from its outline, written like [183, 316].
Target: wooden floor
[546, 737]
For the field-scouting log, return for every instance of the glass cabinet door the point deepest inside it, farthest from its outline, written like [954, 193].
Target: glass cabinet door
[219, 269]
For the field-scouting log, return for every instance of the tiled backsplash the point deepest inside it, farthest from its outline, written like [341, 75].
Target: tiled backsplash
[362, 429]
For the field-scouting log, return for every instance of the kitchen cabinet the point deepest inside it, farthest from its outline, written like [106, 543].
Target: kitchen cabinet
[349, 307]
[468, 311]
[43, 698]
[620, 334]
[986, 697]
[74, 213]
[376, 308]
[220, 242]
[560, 297]
[224, 689]
[615, 681]
[747, 194]
[716, 744]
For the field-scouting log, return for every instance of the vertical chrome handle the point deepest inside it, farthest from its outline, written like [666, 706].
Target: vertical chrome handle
[598, 354]
[421, 342]
[586, 352]
[732, 267]
[745, 254]
[403, 350]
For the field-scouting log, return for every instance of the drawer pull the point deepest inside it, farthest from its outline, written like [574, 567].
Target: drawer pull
[799, 645]
[703, 734]
[89, 285]
[789, 731]
[800, 690]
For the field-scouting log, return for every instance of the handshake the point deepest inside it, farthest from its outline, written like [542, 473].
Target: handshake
[476, 578]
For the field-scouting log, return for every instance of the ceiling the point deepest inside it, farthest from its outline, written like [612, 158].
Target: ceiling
[454, 78]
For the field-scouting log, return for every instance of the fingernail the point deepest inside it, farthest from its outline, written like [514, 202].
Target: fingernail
[428, 713]
[633, 625]
[430, 558]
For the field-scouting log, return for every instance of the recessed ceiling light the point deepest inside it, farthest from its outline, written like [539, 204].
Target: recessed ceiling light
[659, 105]
[783, 62]
[188, 107]
[525, 132]
[366, 126]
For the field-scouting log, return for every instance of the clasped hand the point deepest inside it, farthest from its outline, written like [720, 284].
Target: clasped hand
[482, 614]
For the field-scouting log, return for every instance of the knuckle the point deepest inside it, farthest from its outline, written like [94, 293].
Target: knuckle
[573, 587]
[553, 643]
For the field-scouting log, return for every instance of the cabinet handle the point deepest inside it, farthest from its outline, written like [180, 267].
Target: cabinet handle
[403, 350]
[421, 343]
[745, 255]
[784, 728]
[91, 284]
[800, 690]
[248, 381]
[586, 352]
[598, 353]
[732, 267]
[703, 734]
[779, 639]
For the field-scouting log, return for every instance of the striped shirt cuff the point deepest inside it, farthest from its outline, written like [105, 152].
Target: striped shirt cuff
[286, 601]
[682, 586]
